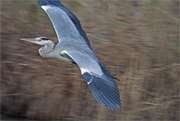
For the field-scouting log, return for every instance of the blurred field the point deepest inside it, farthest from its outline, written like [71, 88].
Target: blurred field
[136, 40]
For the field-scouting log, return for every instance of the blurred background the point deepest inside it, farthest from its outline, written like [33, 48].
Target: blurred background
[136, 40]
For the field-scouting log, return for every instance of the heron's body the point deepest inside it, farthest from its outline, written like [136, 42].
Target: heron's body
[74, 47]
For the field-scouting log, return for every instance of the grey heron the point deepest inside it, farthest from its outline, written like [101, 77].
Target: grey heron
[74, 47]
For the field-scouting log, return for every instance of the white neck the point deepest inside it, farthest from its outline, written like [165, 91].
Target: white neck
[46, 49]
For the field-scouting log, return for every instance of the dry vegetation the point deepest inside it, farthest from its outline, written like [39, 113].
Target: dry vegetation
[137, 41]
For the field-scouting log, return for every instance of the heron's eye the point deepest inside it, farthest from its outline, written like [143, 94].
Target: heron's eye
[40, 40]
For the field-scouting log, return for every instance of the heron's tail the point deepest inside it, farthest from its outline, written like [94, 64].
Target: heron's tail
[104, 88]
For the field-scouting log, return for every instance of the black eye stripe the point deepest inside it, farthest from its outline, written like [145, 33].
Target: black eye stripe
[43, 38]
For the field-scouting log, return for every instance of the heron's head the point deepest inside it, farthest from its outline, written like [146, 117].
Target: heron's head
[38, 40]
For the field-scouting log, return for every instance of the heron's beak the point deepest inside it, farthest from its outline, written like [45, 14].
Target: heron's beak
[33, 40]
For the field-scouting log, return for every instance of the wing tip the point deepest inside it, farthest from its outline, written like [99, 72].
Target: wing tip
[105, 93]
[49, 2]
[114, 106]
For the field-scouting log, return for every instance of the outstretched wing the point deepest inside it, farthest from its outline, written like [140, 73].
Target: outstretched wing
[64, 21]
[99, 79]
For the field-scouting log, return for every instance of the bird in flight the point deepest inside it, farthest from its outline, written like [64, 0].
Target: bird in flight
[74, 47]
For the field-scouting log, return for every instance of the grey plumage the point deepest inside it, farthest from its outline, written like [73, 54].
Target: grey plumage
[74, 47]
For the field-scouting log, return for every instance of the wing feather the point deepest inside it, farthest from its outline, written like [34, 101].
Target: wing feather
[66, 24]
[99, 79]
[85, 62]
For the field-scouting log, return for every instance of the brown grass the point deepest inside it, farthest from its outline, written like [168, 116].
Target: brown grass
[138, 41]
